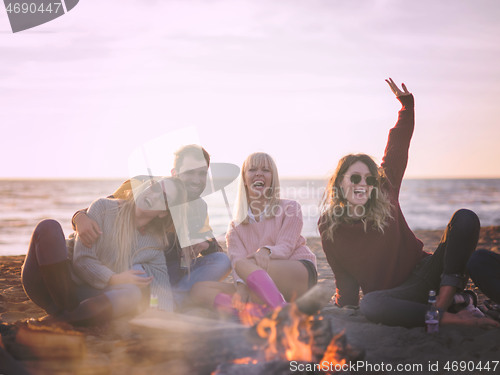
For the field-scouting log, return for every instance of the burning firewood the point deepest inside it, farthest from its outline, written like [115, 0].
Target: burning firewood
[294, 332]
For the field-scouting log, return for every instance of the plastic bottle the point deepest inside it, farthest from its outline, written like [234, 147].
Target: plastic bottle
[432, 314]
[153, 302]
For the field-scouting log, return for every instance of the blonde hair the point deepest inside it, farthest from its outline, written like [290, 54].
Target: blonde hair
[378, 209]
[257, 159]
[124, 230]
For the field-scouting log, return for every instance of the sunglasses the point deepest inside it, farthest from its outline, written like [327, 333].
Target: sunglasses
[370, 180]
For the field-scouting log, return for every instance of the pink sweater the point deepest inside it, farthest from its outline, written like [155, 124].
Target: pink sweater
[281, 234]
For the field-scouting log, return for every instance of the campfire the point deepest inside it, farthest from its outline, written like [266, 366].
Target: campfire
[297, 334]
[289, 336]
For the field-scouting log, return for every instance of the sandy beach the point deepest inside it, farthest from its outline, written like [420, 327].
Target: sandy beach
[106, 346]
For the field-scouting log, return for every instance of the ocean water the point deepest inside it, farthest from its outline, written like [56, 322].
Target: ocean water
[426, 203]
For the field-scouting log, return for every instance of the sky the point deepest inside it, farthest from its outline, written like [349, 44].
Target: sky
[82, 96]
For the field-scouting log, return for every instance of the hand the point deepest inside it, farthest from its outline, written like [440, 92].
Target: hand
[87, 229]
[395, 89]
[131, 277]
[199, 247]
[262, 257]
[241, 296]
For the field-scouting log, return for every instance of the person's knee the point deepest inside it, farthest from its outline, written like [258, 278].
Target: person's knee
[466, 219]
[225, 264]
[220, 259]
[372, 306]
[241, 265]
[48, 227]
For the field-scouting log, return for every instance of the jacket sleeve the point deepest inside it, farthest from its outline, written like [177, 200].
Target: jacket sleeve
[395, 157]
[86, 261]
[289, 232]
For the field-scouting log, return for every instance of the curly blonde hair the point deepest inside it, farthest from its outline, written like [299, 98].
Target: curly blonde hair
[378, 209]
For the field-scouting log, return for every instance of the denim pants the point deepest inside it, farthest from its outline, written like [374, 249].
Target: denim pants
[405, 305]
[210, 267]
[484, 270]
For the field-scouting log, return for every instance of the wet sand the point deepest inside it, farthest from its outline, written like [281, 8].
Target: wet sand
[390, 345]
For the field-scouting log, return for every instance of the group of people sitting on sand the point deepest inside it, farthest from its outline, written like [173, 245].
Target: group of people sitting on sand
[131, 246]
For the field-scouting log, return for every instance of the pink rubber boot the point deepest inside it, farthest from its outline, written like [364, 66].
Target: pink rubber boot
[263, 286]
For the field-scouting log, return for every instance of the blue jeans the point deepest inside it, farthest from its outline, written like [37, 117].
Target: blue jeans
[484, 270]
[210, 267]
[405, 305]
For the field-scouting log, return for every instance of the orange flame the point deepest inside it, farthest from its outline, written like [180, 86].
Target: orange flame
[288, 346]
[249, 313]
[332, 354]
[284, 336]
[245, 361]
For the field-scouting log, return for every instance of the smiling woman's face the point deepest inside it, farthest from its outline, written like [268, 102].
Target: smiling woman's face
[359, 193]
[258, 180]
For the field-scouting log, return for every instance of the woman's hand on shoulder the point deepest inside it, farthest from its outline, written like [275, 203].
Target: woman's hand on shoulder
[131, 277]
[262, 257]
[396, 90]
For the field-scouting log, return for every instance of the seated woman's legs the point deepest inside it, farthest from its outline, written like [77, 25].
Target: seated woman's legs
[290, 277]
[447, 267]
[46, 275]
[484, 269]
[401, 306]
[444, 270]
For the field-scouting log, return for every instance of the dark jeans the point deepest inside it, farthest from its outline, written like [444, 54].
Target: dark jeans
[47, 246]
[406, 304]
[484, 269]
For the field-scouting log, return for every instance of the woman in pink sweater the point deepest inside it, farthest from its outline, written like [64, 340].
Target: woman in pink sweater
[271, 262]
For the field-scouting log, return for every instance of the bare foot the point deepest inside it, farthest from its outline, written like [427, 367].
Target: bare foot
[466, 317]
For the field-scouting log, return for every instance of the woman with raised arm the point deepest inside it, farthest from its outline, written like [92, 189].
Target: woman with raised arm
[369, 245]
[270, 259]
[111, 277]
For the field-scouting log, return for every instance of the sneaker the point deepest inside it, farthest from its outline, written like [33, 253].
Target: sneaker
[464, 300]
